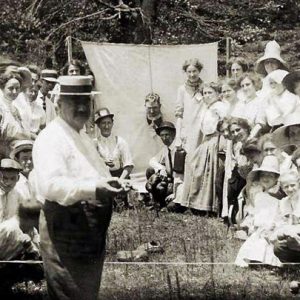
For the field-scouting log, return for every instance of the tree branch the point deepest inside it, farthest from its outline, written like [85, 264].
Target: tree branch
[81, 18]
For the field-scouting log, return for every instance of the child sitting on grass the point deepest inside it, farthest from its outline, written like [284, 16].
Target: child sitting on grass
[18, 238]
[257, 247]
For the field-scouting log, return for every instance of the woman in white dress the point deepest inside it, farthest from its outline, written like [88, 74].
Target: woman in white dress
[188, 105]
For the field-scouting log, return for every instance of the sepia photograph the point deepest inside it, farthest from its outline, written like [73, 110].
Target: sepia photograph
[149, 149]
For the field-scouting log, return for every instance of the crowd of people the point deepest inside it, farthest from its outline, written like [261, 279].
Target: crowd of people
[232, 153]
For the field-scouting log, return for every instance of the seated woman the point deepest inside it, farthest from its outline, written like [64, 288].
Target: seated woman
[257, 248]
[248, 106]
[277, 104]
[237, 164]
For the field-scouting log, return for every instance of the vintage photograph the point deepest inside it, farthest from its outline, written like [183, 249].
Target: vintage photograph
[149, 149]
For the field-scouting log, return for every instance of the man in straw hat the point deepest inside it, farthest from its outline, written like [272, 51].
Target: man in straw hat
[78, 191]
[48, 81]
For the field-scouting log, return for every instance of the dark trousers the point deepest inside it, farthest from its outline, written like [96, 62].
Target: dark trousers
[235, 186]
[73, 246]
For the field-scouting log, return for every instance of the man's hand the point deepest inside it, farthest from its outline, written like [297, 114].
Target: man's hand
[109, 187]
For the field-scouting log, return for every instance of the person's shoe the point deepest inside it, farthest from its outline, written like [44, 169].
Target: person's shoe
[294, 287]
[151, 247]
[132, 256]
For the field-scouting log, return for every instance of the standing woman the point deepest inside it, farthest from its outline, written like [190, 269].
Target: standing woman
[188, 105]
[11, 127]
[199, 189]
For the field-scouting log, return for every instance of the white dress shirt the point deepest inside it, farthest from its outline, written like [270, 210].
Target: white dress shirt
[9, 203]
[67, 164]
[114, 148]
[50, 107]
[161, 160]
[32, 113]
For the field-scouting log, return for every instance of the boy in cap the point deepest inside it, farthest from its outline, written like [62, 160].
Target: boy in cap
[15, 241]
[22, 153]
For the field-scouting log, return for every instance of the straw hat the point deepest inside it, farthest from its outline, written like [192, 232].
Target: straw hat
[290, 80]
[272, 50]
[49, 75]
[74, 86]
[20, 145]
[7, 163]
[269, 164]
[102, 113]
[279, 135]
[165, 125]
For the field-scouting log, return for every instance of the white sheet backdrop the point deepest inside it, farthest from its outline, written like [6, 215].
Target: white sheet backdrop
[126, 73]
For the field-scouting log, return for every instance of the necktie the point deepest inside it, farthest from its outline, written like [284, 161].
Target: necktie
[170, 161]
[44, 103]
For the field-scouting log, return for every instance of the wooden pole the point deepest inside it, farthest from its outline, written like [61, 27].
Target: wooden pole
[69, 48]
[228, 54]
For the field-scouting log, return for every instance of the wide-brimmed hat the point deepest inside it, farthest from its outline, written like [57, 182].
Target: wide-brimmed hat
[279, 135]
[7, 163]
[165, 125]
[272, 50]
[20, 145]
[290, 79]
[102, 113]
[269, 164]
[49, 75]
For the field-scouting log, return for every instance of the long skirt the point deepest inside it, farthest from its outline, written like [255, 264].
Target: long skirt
[199, 189]
[73, 248]
[257, 249]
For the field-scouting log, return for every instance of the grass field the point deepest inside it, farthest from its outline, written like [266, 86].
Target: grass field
[186, 239]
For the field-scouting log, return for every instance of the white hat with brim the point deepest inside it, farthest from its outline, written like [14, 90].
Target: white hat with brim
[270, 164]
[49, 75]
[279, 135]
[75, 86]
[20, 145]
[7, 163]
[272, 51]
